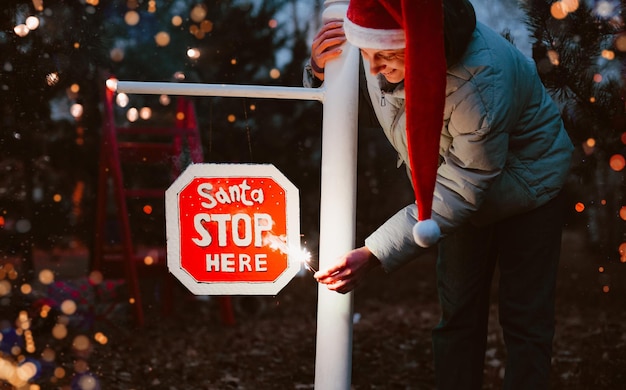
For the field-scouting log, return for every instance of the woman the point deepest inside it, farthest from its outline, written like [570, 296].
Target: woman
[503, 156]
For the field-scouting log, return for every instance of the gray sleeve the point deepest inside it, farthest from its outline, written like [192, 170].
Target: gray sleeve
[308, 78]
[393, 243]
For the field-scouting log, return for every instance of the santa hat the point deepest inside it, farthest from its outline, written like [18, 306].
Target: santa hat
[417, 26]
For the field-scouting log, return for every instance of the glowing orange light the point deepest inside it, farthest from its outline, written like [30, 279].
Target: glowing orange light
[600, 269]
[273, 23]
[622, 213]
[592, 99]
[180, 116]
[198, 13]
[558, 10]
[606, 289]
[26, 288]
[553, 56]
[233, 61]
[117, 54]
[597, 77]
[76, 45]
[623, 138]
[608, 54]
[59, 372]
[1, 221]
[177, 21]
[81, 366]
[579, 207]
[622, 251]
[617, 162]
[231, 118]
[68, 307]
[620, 42]
[57, 198]
[591, 142]
[603, 202]
[38, 4]
[59, 331]
[162, 38]
[147, 209]
[206, 26]
[148, 260]
[131, 300]
[81, 342]
[100, 338]
[571, 5]
[131, 18]
[252, 107]
[46, 276]
[96, 277]
[274, 73]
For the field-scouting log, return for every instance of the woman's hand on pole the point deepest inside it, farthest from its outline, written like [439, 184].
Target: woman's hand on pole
[348, 270]
[326, 46]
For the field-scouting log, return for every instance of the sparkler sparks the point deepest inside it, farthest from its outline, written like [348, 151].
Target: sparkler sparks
[300, 254]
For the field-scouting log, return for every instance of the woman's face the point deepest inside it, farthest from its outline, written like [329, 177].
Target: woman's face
[389, 63]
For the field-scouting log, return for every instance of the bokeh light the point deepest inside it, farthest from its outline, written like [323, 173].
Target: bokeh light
[21, 30]
[32, 22]
[145, 113]
[617, 162]
[162, 39]
[68, 307]
[165, 100]
[193, 53]
[198, 13]
[46, 276]
[59, 331]
[579, 207]
[117, 54]
[177, 21]
[122, 100]
[131, 18]
[132, 114]
[96, 277]
[81, 343]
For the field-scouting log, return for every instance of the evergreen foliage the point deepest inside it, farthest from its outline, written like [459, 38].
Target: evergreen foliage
[580, 51]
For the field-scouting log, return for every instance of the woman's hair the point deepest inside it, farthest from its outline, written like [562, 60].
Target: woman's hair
[459, 22]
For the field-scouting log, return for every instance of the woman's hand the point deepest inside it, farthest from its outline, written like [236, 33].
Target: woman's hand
[326, 46]
[348, 271]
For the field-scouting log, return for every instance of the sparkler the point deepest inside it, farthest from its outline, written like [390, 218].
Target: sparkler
[302, 255]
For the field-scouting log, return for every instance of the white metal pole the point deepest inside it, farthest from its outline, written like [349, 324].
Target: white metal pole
[333, 361]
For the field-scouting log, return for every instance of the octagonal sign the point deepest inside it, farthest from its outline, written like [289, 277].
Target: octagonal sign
[233, 229]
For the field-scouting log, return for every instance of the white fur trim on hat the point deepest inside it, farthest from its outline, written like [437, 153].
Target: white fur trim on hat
[372, 38]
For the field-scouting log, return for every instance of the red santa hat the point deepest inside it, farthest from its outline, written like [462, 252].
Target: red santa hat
[417, 26]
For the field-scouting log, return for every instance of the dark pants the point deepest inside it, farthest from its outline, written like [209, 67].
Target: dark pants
[526, 248]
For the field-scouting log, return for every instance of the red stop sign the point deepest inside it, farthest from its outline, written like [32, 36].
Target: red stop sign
[233, 229]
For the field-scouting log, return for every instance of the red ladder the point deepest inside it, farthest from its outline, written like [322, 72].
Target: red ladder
[142, 148]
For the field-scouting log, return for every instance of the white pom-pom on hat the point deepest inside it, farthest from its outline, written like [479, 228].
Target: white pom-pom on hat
[426, 233]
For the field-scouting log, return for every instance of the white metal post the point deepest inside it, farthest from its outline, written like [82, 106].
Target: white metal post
[333, 361]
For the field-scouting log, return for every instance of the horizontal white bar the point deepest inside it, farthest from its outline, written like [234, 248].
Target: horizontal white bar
[224, 90]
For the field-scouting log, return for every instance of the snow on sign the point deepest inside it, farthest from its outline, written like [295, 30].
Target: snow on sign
[233, 229]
